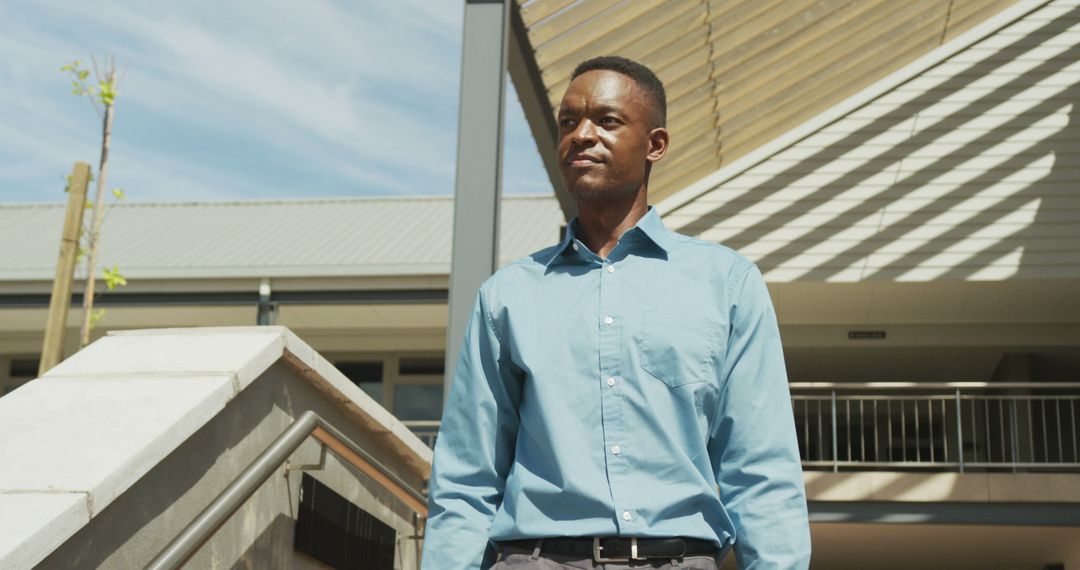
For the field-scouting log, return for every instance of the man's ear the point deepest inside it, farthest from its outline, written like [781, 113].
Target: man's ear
[658, 144]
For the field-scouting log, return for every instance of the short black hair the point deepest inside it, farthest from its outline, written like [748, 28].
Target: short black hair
[642, 75]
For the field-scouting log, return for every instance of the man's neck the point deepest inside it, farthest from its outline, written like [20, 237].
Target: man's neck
[601, 222]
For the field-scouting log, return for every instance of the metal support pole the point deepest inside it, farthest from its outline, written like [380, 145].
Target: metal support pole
[533, 96]
[479, 163]
[959, 432]
[835, 458]
[1013, 441]
[267, 313]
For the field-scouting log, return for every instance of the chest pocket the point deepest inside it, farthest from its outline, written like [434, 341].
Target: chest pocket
[677, 352]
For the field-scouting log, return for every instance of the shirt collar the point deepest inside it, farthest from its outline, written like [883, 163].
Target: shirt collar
[653, 227]
[650, 225]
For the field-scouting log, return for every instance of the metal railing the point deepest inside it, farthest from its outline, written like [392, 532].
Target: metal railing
[942, 426]
[426, 430]
[196, 533]
[951, 426]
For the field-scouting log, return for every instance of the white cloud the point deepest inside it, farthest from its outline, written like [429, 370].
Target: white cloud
[364, 94]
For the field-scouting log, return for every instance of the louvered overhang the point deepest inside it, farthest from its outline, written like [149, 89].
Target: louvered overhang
[738, 72]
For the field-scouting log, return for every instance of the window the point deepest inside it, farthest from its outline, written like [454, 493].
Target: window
[418, 401]
[19, 371]
[368, 375]
[24, 368]
[410, 385]
[412, 366]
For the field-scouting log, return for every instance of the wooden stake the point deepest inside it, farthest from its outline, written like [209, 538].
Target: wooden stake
[52, 352]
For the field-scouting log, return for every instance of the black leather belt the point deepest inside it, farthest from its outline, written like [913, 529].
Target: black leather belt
[620, 549]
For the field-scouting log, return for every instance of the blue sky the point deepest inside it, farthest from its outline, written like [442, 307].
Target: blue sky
[245, 100]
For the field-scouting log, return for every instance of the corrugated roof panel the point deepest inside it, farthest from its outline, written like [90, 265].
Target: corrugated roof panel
[533, 11]
[364, 236]
[652, 19]
[24, 230]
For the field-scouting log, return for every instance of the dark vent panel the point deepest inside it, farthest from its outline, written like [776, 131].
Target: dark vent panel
[340, 534]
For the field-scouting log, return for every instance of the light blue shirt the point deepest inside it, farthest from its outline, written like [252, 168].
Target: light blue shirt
[599, 397]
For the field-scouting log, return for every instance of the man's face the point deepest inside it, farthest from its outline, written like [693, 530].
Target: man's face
[606, 138]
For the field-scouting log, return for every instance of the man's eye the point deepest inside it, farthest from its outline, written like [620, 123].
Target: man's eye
[567, 122]
[609, 121]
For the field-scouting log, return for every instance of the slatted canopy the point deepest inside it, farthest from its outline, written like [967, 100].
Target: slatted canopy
[738, 73]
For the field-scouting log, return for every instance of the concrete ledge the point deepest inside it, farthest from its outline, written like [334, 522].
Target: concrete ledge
[99, 435]
[44, 521]
[80, 436]
[943, 487]
[299, 355]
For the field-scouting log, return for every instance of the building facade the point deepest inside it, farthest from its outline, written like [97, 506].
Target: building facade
[920, 239]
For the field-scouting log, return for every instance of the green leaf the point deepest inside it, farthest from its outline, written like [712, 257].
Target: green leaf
[107, 93]
[113, 279]
[67, 183]
[83, 75]
[96, 316]
[89, 204]
[80, 253]
[118, 193]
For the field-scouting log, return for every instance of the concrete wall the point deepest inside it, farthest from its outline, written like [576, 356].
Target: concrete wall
[114, 451]
[140, 522]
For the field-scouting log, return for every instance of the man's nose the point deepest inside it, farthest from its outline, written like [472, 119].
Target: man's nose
[585, 133]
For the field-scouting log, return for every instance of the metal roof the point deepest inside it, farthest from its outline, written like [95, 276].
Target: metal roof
[738, 73]
[279, 238]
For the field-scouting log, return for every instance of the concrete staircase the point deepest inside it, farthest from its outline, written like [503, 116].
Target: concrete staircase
[113, 452]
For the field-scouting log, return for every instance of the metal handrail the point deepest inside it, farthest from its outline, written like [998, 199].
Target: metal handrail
[929, 385]
[421, 424]
[198, 531]
[426, 430]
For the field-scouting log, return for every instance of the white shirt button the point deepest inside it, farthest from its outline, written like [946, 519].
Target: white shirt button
[575, 246]
[611, 381]
[626, 515]
[608, 320]
[611, 269]
[616, 449]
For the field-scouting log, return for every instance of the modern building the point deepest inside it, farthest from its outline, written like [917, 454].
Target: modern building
[364, 281]
[906, 175]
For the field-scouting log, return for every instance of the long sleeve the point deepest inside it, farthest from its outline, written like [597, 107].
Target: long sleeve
[474, 450]
[754, 447]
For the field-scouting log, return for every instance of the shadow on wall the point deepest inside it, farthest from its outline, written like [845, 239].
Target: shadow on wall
[984, 186]
[140, 522]
[265, 553]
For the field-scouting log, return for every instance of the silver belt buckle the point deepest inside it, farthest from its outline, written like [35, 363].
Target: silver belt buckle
[596, 548]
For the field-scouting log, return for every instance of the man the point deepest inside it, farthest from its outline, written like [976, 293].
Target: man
[620, 398]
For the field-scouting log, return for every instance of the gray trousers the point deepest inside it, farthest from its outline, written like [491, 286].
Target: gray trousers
[517, 558]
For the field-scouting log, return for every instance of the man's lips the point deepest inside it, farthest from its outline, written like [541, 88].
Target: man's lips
[583, 160]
